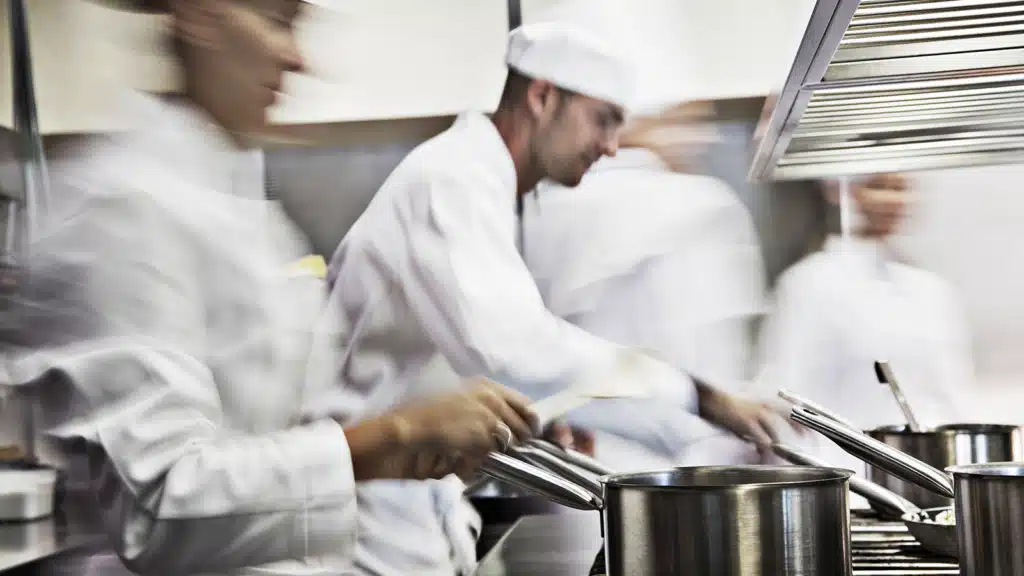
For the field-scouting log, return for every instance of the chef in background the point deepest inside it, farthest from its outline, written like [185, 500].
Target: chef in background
[646, 253]
[175, 353]
[433, 267]
[839, 310]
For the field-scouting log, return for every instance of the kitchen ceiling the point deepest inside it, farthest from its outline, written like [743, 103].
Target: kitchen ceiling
[882, 85]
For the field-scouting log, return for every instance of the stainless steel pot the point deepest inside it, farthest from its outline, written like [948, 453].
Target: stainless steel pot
[718, 521]
[942, 447]
[989, 498]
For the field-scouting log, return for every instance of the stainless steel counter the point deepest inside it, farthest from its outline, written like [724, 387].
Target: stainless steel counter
[551, 545]
[23, 543]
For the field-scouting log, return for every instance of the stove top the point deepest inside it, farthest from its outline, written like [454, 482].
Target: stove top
[880, 548]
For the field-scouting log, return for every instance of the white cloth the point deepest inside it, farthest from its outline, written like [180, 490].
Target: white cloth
[432, 267]
[571, 58]
[648, 257]
[840, 310]
[173, 346]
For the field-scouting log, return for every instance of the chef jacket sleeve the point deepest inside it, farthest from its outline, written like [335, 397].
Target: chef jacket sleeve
[473, 294]
[180, 491]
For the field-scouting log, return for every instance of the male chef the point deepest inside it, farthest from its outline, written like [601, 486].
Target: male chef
[433, 267]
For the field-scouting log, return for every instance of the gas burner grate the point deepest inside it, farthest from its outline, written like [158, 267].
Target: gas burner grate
[880, 548]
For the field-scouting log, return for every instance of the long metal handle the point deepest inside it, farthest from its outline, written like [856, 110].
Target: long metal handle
[557, 466]
[876, 453]
[805, 403]
[885, 376]
[574, 457]
[533, 479]
[888, 503]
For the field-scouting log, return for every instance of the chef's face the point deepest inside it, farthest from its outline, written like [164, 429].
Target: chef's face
[573, 132]
[883, 199]
[236, 53]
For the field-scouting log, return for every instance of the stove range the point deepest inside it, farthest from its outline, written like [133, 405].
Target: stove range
[880, 548]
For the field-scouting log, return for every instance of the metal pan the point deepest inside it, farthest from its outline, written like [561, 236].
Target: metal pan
[989, 498]
[932, 536]
[649, 517]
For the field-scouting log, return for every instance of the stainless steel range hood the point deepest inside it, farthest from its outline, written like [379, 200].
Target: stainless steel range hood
[882, 85]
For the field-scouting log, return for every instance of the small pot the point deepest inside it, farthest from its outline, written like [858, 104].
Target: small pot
[713, 521]
[989, 498]
[942, 447]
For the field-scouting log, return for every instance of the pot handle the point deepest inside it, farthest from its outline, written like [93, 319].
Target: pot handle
[876, 453]
[541, 482]
[558, 467]
[796, 400]
[573, 457]
[887, 502]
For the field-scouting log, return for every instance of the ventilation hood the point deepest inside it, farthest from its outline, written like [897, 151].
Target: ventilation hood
[887, 85]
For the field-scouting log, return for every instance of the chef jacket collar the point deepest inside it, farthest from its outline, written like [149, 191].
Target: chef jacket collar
[490, 148]
[873, 253]
[186, 137]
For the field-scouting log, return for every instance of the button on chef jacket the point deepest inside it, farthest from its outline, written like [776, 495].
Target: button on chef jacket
[648, 257]
[432, 267]
[838, 311]
[178, 350]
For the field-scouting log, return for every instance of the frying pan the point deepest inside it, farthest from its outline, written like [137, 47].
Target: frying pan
[932, 536]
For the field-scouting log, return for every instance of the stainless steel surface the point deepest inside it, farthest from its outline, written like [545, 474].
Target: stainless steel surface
[27, 504]
[885, 376]
[731, 520]
[876, 453]
[23, 543]
[887, 503]
[568, 544]
[881, 46]
[573, 457]
[796, 400]
[559, 467]
[536, 480]
[939, 538]
[941, 448]
[990, 518]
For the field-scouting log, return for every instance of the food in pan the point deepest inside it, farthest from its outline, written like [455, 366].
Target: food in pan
[946, 517]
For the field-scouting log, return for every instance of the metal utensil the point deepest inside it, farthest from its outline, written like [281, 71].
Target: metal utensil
[533, 479]
[805, 403]
[574, 457]
[990, 518]
[885, 376]
[874, 452]
[757, 520]
[934, 537]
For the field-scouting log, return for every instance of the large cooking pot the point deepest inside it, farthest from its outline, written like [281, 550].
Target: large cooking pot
[942, 447]
[709, 521]
[989, 498]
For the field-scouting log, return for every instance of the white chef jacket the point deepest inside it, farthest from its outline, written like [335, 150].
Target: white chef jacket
[648, 257]
[432, 267]
[840, 310]
[176, 350]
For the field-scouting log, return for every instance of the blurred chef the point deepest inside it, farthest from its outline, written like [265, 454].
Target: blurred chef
[176, 352]
[645, 253]
[432, 267]
[841, 309]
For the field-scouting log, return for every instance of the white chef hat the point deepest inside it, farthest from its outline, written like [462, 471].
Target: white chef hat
[572, 59]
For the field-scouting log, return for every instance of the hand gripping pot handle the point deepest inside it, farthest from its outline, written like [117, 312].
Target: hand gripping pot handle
[876, 453]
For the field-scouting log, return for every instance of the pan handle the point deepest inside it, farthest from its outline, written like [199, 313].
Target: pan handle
[558, 467]
[574, 457]
[541, 482]
[876, 453]
[796, 400]
[887, 502]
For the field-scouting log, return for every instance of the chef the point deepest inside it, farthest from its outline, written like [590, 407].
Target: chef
[841, 309]
[433, 267]
[175, 355]
[646, 253]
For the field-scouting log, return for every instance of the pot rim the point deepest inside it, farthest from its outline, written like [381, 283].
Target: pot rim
[946, 430]
[989, 470]
[633, 480]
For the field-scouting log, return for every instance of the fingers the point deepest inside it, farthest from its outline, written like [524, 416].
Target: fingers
[494, 397]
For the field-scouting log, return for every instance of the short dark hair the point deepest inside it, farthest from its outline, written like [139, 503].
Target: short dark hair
[513, 94]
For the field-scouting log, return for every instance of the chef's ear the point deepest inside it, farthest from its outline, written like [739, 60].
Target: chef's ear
[196, 22]
[541, 96]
